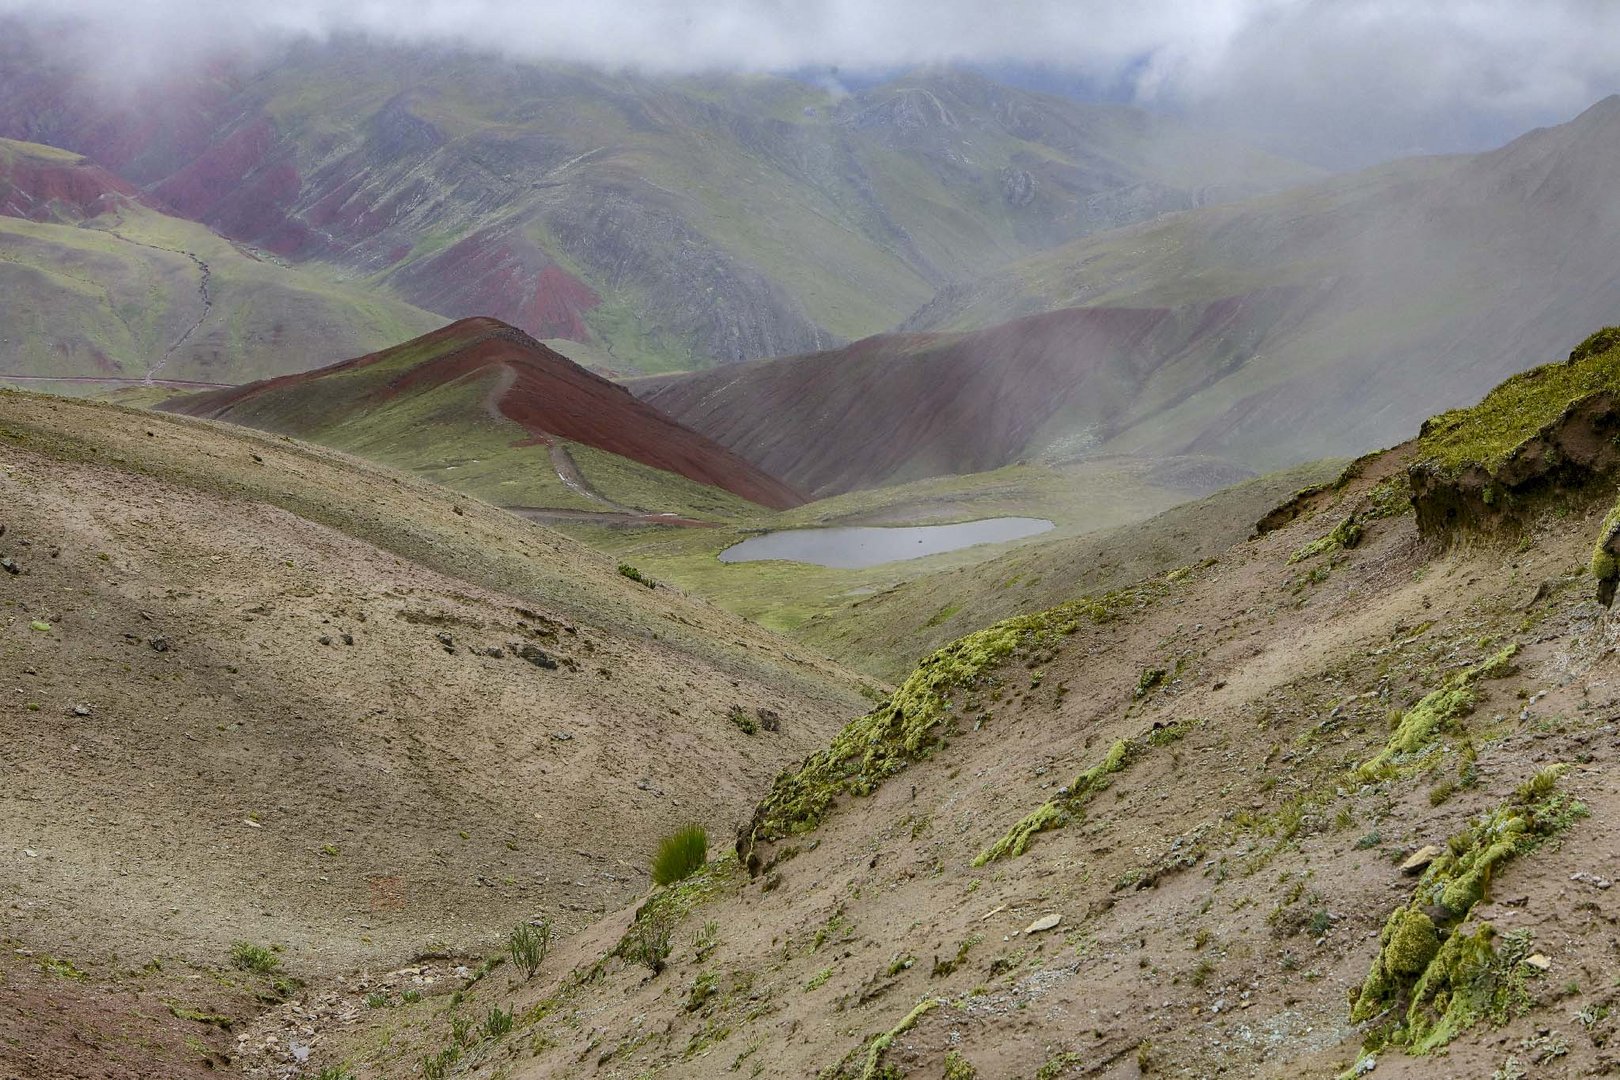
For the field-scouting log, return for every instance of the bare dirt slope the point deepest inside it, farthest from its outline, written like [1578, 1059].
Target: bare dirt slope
[257, 691]
[1220, 773]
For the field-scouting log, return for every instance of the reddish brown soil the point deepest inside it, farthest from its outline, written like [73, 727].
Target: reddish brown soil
[506, 276]
[241, 188]
[904, 406]
[48, 190]
[548, 395]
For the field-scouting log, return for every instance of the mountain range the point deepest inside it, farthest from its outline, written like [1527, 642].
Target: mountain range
[660, 222]
[1319, 321]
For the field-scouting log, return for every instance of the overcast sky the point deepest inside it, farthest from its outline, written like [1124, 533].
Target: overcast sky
[1341, 81]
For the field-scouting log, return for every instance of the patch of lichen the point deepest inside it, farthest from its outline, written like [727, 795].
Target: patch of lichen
[1436, 713]
[1450, 978]
[1389, 497]
[1346, 534]
[1486, 435]
[914, 721]
[1067, 805]
[869, 1056]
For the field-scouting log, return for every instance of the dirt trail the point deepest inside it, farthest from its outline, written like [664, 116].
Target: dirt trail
[605, 517]
[568, 471]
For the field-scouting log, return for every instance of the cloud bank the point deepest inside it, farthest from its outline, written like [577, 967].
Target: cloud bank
[1364, 78]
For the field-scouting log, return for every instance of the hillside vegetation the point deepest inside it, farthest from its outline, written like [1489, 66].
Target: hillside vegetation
[96, 284]
[1334, 800]
[486, 409]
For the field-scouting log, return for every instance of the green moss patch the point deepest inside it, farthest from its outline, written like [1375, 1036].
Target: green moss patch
[1061, 809]
[914, 721]
[1436, 713]
[1436, 977]
[1346, 534]
[1488, 434]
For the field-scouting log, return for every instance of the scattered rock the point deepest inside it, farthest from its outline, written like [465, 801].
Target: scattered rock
[1366, 1065]
[446, 640]
[1045, 922]
[326, 639]
[494, 652]
[250, 823]
[1421, 858]
[536, 656]
[562, 736]
[10, 566]
[1539, 961]
[81, 710]
[159, 643]
[769, 719]
[1591, 879]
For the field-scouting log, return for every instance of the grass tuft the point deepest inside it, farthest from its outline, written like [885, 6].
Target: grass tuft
[247, 956]
[680, 854]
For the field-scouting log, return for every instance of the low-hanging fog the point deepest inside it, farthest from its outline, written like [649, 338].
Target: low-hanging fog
[1340, 83]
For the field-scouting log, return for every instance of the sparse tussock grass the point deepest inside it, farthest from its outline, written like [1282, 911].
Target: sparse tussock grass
[649, 941]
[498, 1022]
[680, 854]
[246, 956]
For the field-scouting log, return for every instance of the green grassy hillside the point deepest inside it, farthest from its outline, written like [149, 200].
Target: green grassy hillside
[130, 291]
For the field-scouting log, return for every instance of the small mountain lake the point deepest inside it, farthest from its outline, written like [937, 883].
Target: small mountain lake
[854, 547]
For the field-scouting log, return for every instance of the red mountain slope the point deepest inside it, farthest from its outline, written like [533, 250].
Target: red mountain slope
[900, 407]
[547, 394]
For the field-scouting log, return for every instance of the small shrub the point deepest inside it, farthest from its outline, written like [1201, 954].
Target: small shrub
[411, 997]
[680, 854]
[334, 1072]
[376, 1001]
[247, 956]
[461, 1027]
[637, 576]
[498, 1022]
[744, 723]
[528, 945]
[649, 940]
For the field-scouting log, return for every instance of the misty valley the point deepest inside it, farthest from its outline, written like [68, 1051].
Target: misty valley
[846, 541]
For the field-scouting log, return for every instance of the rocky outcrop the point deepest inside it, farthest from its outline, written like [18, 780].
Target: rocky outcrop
[1562, 459]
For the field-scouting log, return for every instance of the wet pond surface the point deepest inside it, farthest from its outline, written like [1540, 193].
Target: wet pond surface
[854, 547]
